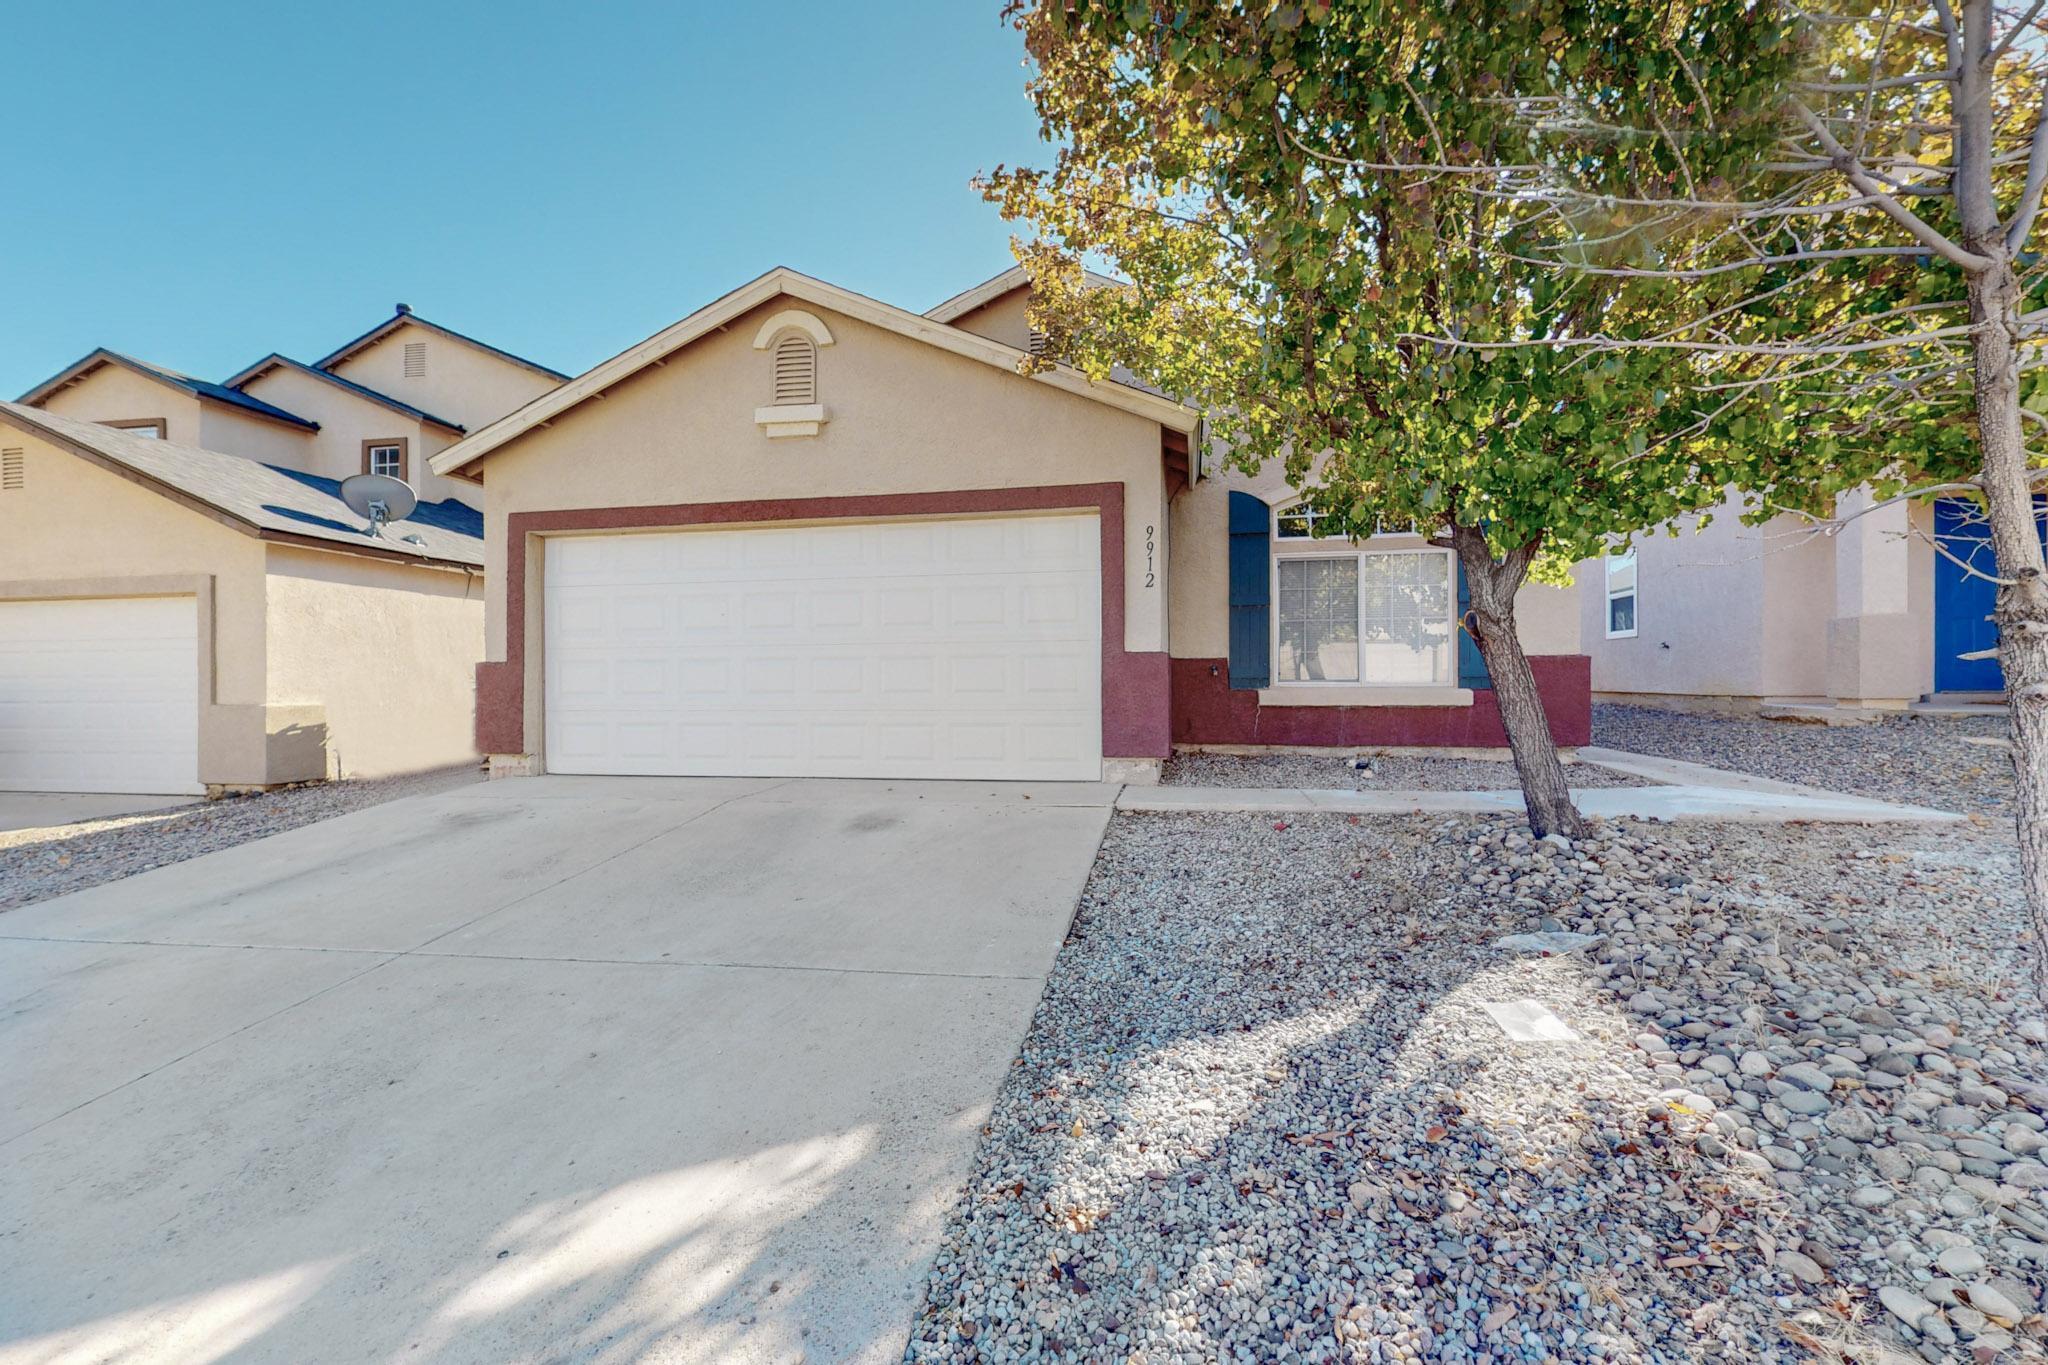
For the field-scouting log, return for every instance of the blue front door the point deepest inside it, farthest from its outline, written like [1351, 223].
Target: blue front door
[1963, 600]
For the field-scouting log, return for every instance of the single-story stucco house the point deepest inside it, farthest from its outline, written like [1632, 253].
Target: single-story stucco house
[186, 603]
[1871, 616]
[803, 532]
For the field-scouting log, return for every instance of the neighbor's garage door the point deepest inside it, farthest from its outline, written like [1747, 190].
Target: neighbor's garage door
[100, 696]
[968, 648]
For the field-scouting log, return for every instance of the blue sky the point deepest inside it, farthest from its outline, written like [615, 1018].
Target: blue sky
[202, 184]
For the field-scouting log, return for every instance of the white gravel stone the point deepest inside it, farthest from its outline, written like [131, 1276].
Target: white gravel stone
[38, 864]
[1261, 1115]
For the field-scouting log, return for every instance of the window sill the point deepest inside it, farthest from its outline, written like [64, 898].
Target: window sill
[790, 419]
[1316, 695]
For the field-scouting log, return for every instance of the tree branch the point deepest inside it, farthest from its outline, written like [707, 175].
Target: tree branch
[2023, 216]
[1921, 229]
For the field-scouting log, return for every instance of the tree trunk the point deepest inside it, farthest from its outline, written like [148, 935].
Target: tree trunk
[1492, 623]
[2022, 607]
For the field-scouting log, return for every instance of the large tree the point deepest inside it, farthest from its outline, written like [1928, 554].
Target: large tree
[1315, 210]
[1891, 325]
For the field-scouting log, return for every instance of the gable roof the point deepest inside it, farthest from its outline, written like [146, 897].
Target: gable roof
[275, 361]
[989, 290]
[262, 500]
[405, 315]
[204, 389]
[784, 282]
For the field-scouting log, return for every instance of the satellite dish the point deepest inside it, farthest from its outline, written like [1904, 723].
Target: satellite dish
[379, 497]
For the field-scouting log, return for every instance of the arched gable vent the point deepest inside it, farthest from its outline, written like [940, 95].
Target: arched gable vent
[792, 338]
[795, 369]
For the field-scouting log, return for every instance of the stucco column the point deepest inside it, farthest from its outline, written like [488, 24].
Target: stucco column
[1872, 636]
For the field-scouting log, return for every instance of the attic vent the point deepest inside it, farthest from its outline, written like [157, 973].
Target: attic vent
[11, 472]
[1037, 342]
[796, 370]
[415, 360]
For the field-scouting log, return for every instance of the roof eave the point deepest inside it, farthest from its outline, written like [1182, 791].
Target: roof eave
[213, 511]
[989, 290]
[397, 320]
[277, 360]
[783, 281]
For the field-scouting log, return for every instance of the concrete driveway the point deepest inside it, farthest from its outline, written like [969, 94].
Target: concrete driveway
[562, 1069]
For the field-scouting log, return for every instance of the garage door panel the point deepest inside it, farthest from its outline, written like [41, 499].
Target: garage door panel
[813, 679]
[929, 649]
[100, 695]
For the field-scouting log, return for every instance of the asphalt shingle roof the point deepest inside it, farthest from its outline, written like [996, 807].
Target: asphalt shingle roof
[360, 390]
[200, 388]
[265, 497]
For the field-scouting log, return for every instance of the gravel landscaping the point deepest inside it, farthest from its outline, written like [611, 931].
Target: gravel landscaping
[36, 864]
[1923, 760]
[1389, 772]
[1261, 1116]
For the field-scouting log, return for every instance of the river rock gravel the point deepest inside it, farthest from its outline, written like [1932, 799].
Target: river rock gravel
[1380, 772]
[36, 864]
[1957, 763]
[1262, 1116]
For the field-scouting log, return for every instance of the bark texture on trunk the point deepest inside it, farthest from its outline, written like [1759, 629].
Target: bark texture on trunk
[2022, 607]
[1491, 620]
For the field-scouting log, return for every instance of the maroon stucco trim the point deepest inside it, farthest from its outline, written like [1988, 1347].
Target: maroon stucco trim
[1207, 711]
[1136, 708]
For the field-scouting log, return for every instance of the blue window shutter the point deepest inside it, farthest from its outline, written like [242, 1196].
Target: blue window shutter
[1251, 592]
[1471, 663]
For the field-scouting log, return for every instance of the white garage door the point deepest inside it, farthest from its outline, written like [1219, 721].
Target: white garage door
[969, 648]
[100, 696]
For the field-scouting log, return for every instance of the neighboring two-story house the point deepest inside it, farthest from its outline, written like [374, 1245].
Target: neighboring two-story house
[186, 604]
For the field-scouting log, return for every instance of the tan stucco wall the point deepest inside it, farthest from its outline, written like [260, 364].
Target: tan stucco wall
[347, 420]
[1797, 576]
[76, 530]
[114, 394]
[387, 651]
[1748, 612]
[1005, 319]
[463, 383]
[235, 432]
[1699, 613]
[1546, 618]
[904, 417]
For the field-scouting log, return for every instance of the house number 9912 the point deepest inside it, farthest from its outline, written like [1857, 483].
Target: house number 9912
[1151, 578]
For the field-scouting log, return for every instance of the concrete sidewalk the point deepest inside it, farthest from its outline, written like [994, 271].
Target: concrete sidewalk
[547, 1069]
[1710, 794]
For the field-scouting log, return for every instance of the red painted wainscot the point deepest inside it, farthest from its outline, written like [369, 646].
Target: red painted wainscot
[1207, 711]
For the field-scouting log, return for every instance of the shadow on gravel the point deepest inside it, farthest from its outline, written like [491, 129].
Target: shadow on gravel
[1261, 1116]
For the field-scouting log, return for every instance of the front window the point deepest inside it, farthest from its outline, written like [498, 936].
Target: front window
[1299, 522]
[1318, 620]
[1373, 614]
[1621, 595]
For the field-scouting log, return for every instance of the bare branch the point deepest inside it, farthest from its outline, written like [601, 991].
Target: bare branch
[1861, 87]
[1899, 213]
[1708, 271]
[2019, 27]
[1951, 34]
[2023, 216]
[1930, 336]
